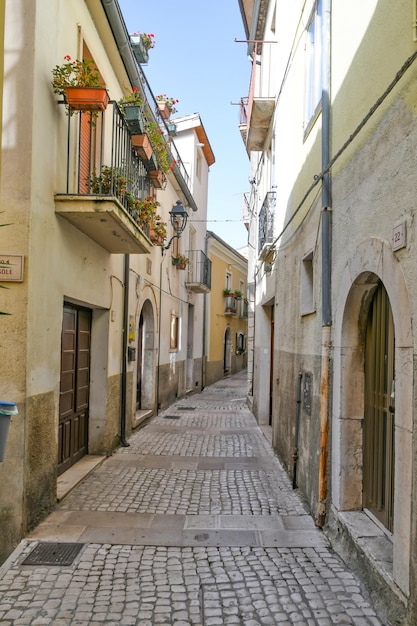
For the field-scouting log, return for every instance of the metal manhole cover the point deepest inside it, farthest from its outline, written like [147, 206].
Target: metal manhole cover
[48, 553]
[171, 417]
[186, 408]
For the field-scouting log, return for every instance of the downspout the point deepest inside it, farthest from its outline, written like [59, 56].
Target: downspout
[326, 238]
[204, 356]
[123, 385]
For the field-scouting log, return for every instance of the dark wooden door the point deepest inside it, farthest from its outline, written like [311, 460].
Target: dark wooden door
[139, 364]
[74, 387]
[271, 368]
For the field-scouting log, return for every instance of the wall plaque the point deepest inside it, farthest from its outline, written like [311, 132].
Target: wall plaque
[11, 267]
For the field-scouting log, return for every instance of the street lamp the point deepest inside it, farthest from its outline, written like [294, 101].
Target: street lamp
[178, 216]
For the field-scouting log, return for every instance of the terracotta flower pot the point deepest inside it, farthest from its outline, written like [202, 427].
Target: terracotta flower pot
[155, 237]
[142, 146]
[164, 110]
[158, 178]
[87, 98]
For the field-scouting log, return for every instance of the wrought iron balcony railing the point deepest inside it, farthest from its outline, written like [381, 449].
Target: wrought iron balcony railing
[243, 308]
[199, 272]
[266, 223]
[103, 174]
[230, 305]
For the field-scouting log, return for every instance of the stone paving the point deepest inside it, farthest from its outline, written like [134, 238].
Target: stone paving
[195, 523]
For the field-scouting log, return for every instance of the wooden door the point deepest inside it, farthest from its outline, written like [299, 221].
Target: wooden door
[378, 450]
[74, 387]
[271, 367]
[139, 363]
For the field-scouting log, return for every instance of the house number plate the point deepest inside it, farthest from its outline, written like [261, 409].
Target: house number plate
[11, 267]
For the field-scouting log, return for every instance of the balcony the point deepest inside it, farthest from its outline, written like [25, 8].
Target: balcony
[255, 121]
[230, 305]
[266, 225]
[259, 122]
[257, 110]
[105, 220]
[100, 186]
[246, 213]
[199, 272]
[243, 308]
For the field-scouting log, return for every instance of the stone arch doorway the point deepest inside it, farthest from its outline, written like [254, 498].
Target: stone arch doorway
[146, 365]
[372, 264]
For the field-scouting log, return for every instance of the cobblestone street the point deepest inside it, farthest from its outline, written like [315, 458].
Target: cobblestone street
[195, 523]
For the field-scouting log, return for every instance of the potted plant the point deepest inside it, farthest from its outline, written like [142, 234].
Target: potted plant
[158, 231]
[180, 261]
[141, 44]
[112, 182]
[145, 212]
[238, 294]
[166, 105]
[165, 160]
[131, 106]
[81, 85]
[227, 291]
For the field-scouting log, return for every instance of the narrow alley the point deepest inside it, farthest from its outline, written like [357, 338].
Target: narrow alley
[195, 523]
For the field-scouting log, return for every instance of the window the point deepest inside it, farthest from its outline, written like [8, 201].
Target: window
[199, 165]
[228, 281]
[242, 299]
[307, 291]
[313, 65]
[173, 333]
[240, 343]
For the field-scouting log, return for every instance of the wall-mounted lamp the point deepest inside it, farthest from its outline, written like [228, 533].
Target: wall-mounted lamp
[178, 217]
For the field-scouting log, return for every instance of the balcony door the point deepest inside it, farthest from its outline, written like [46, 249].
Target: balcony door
[378, 450]
[74, 387]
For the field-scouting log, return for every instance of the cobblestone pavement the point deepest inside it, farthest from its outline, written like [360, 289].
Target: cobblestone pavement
[195, 523]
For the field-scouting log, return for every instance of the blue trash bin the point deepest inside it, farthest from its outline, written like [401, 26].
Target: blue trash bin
[7, 409]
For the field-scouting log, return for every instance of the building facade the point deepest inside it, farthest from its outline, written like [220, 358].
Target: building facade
[226, 323]
[99, 324]
[329, 125]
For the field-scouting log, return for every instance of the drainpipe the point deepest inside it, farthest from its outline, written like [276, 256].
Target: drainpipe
[123, 385]
[204, 356]
[326, 230]
[297, 430]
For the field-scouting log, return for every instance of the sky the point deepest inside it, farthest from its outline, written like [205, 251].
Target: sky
[197, 61]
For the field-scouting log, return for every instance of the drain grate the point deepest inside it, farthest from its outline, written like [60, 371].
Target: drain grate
[171, 417]
[48, 553]
[186, 408]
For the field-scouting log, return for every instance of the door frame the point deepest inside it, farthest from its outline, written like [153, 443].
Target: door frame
[74, 401]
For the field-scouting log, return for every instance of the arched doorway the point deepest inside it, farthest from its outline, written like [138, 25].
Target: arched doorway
[371, 266]
[378, 440]
[227, 351]
[145, 376]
